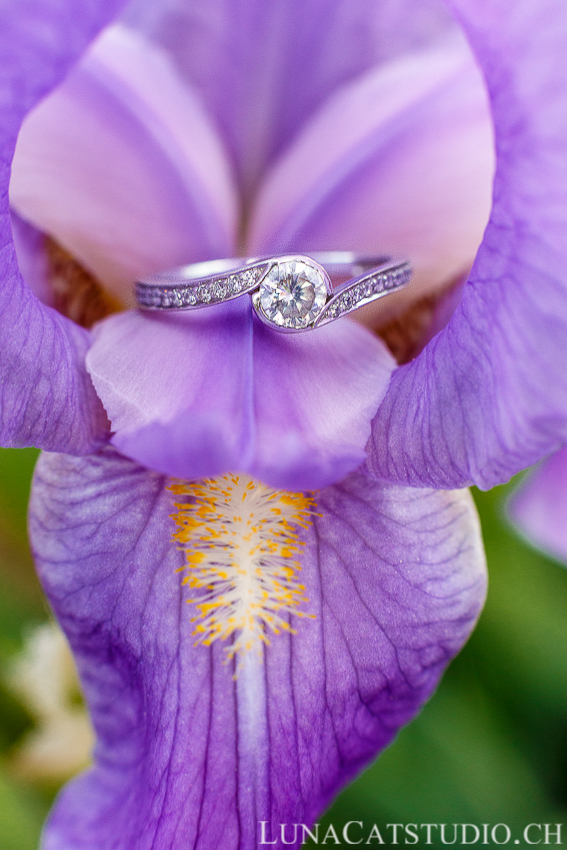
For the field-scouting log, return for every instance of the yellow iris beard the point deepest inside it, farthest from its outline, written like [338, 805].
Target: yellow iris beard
[241, 544]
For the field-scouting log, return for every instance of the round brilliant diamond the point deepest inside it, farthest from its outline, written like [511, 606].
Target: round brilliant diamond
[292, 294]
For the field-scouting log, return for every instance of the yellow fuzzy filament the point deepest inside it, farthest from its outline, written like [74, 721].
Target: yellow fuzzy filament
[242, 547]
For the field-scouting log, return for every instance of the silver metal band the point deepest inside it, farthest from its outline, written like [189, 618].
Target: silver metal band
[290, 293]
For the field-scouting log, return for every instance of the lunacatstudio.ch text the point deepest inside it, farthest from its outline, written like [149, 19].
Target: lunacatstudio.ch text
[459, 834]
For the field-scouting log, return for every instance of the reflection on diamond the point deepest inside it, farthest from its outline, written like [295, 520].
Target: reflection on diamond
[293, 294]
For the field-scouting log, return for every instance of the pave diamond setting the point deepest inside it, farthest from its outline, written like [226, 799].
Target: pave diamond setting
[364, 291]
[293, 293]
[199, 293]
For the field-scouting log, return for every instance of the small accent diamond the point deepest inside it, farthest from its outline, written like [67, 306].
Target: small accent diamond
[347, 300]
[204, 293]
[218, 290]
[248, 278]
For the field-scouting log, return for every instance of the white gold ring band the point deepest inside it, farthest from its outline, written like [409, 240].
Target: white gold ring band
[292, 292]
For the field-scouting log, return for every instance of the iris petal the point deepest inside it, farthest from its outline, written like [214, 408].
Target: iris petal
[29, 243]
[46, 396]
[488, 396]
[263, 70]
[188, 757]
[400, 161]
[539, 506]
[122, 166]
[199, 394]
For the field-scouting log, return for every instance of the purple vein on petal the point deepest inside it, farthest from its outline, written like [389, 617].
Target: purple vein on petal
[488, 395]
[396, 579]
[47, 398]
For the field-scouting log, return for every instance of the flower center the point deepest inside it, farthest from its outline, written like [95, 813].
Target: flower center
[241, 544]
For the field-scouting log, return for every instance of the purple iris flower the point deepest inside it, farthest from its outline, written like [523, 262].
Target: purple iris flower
[194, 130]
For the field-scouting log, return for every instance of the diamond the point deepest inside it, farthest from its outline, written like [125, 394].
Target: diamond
[218, 289]
[248, 278]
[293, 293]
[380, 284]
[204, 293]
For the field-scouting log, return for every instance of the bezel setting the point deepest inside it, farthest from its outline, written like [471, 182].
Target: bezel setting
[293, 293]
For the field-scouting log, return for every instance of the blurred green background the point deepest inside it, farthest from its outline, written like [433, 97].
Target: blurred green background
[491, 746]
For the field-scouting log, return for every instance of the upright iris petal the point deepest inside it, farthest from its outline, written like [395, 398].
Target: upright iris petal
[407, 165]
[122, 166]
[265, 70]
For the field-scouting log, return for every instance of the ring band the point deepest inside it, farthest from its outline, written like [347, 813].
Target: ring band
[292, 292]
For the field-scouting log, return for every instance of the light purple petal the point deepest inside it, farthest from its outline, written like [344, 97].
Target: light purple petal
[46, 397]
[264, 68]
[314, 397]
[123, 167]
[539, 506]
[400, 162]
[190, 759]
[488, 395]
[198, 394]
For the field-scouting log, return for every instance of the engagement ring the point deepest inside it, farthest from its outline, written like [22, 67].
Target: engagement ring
[292, 292]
